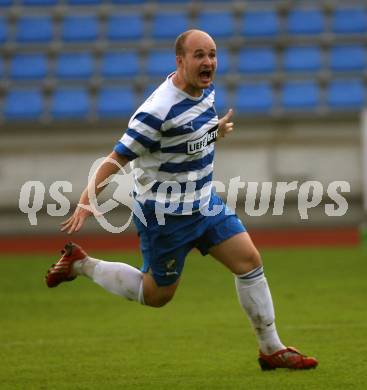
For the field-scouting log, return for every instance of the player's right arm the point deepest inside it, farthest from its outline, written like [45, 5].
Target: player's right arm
[83, 209]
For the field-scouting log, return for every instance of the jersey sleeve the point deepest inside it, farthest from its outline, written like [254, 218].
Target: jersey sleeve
[142, 135]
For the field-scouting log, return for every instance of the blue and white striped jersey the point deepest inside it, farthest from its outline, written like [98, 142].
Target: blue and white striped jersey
[171, 139]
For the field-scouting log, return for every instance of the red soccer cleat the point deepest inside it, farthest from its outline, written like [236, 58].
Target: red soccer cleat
[287, 358]
[62, 270]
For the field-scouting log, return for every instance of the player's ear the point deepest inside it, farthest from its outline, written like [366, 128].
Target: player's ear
[178, 61]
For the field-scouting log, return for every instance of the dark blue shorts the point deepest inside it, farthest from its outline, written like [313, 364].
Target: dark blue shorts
[165, 247]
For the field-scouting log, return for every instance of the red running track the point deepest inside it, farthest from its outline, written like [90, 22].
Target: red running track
[130, 242]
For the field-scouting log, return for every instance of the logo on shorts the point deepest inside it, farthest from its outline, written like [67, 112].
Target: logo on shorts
[171, 267]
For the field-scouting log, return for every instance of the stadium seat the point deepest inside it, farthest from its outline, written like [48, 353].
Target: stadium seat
[256, 60]
[79, 28]
[167, 25]
[254, 98]
[349, 20]
[302, 59]
[3, 30]
[173, 1]
[219, 24]
[222, 103]
[123, 27]
[2, 68]
[305, 22]
[34, 29]
[348, 58]
[70, 104]
[74, 66]
[43, 3]
[223, 61]
[23, 104]
[257, 24]
[28, 67]
[346, 95]
[84, 2]
[134, 2]
[120, 64]
[149, 89]
[300, 95]
[5, 3]
[160, 63]
[115, 102]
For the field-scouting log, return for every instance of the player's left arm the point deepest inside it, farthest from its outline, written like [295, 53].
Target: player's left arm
[225, 124]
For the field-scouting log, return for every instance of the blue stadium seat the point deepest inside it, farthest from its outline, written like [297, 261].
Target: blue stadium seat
[84, 2]
[222, 102]
[79, 28]
[348, 58]
[302, 59]
[349, 20]
[257, 60]
[167, 25]
[219, 24]
[346, 95]
[2, 68]
[28, 67]
[74, 66]
[224, 61]
[300, 95]
[160, 63]
[34, 29]
[305, 22]
[123, 27]
[256, 24]
[115, 102]
[136, 2]
[254, 98]
[149, 89]
[5, 3]
[43, 3]
[23, 104]
[120, 64]
[173, 1]
[3, 30]
[70, 104]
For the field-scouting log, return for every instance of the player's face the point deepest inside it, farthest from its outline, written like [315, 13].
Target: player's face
[199, 63]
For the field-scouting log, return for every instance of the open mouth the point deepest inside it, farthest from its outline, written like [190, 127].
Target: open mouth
[205, 75]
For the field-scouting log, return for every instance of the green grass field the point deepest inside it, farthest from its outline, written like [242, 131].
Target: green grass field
[78, 336]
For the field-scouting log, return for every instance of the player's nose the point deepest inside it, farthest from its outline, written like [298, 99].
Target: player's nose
[207, 61]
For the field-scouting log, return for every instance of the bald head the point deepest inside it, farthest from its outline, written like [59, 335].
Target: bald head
[186, 37]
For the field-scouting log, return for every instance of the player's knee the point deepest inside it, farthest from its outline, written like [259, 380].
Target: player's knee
[254, 257]
[249, 260]
[155, 295]
[159, 300]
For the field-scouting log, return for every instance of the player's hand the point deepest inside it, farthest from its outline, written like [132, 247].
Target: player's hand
[225, 124]
[76, 221]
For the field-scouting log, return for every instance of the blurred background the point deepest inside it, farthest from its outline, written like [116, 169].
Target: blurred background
[72, 72]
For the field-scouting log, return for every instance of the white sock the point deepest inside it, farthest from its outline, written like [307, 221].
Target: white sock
[118, 278]
[255, 298]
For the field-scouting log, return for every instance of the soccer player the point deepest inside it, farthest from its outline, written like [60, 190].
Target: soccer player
[171, 138]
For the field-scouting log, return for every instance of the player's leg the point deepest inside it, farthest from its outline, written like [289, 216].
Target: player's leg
[155, 295]
[240, 256]
[118, 278]
[127, 281]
